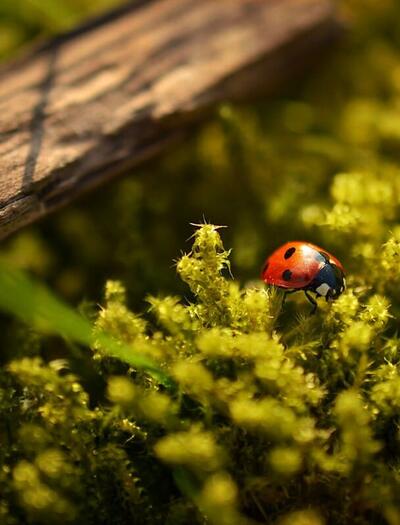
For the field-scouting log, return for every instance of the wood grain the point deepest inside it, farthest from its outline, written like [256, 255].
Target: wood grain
[110, 95]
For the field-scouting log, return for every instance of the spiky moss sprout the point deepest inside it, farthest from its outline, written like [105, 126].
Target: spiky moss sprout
[257, 425]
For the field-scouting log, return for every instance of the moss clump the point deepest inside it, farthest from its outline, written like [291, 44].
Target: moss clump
[257, 423]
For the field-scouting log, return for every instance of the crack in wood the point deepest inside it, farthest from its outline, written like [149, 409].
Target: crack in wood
[37, 128]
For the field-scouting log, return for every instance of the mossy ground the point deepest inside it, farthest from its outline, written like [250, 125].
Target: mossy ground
[213, 404]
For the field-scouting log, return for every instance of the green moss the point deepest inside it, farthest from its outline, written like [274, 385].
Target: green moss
[258, 423]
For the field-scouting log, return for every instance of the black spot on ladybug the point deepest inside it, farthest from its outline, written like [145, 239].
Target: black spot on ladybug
[287, 275]
[289, 252]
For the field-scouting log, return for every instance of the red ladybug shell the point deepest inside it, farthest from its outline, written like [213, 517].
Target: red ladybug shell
[295, 264]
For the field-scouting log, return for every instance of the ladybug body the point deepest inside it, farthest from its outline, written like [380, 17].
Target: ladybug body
[304, 266]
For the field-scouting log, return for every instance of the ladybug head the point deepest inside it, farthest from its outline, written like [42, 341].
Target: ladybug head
[329, 282]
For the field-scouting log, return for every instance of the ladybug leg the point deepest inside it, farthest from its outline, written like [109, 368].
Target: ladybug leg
[329, 296]
[312, 301]
[285, 294]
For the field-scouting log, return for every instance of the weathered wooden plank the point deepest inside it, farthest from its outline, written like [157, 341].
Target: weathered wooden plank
[103, 99]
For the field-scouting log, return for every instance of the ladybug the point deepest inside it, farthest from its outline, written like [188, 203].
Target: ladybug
[303, 266]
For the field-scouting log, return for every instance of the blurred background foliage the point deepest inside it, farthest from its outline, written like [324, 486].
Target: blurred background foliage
[24, 20]
[265, 170]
